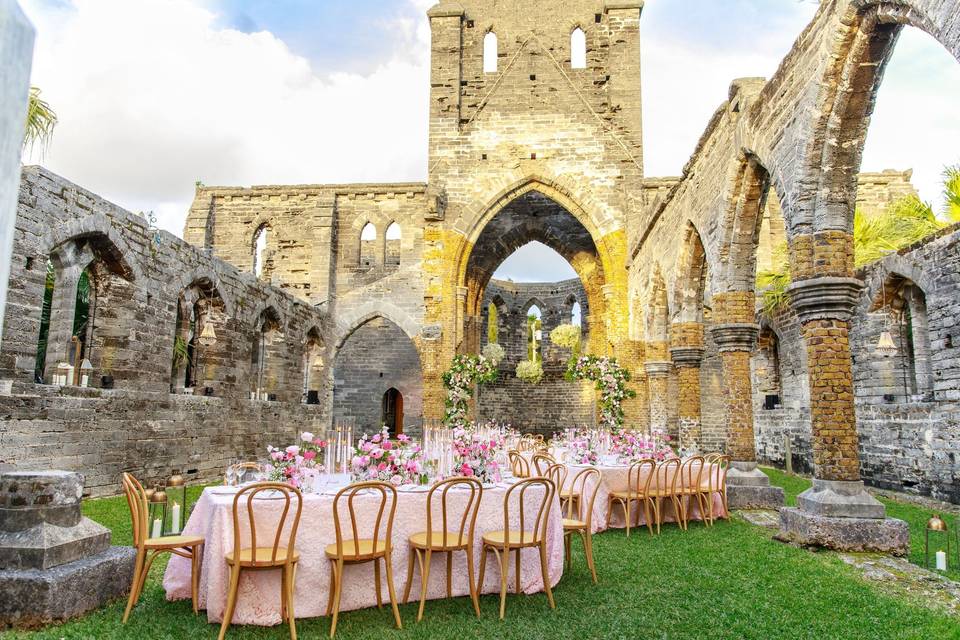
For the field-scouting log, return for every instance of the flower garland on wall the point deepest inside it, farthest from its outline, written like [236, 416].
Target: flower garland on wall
[459, 381]
[611, 381]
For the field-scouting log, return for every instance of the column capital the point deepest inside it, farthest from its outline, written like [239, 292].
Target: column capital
[687, 356]
[825, 298]
[462, 293]
[735, 336]
[657, 369]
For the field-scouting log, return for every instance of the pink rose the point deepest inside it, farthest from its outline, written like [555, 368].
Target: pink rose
[387, 445]
[466, 470]
[293, 450]
[309, 455]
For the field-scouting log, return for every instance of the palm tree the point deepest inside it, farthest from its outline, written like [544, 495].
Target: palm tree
[951, 193]
[41, 119]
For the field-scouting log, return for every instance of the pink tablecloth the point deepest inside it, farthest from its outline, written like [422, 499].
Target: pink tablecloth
[259, 598]
[616, 478]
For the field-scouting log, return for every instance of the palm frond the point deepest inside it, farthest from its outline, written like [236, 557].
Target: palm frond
[951, 193]
[41, 120]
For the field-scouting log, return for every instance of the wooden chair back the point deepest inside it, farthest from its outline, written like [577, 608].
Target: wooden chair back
[519, 465]
[691, 473]
[641, 475]
[139, 510]
[717, 473]
[558, 474]
[386, 507]
[542, 461]
[667, 473]
[243, 470]
[518, 495]
[578, 486]
[266, 556]
[527, 443]
[463, 525]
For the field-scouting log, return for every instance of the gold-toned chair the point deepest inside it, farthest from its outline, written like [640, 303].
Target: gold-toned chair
[638, 490]
[271, 557]
[245, 471]
[519, 465]
[664, 487]
[558, 473]
[502, 542]
[580, 520]
[689, 488]
[715, 482]
[357, 549]
[542, 461]
[190, 547]
[446, 539]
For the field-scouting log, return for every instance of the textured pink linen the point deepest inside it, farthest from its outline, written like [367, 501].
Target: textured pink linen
[616, 478]
[259, 596]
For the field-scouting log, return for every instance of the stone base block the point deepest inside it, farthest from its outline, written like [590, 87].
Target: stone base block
[877, 535]
[46, 545]
[754, 497]
[32, 597]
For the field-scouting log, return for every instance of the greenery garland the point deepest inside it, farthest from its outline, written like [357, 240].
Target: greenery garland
[459, 380]
[611, 381]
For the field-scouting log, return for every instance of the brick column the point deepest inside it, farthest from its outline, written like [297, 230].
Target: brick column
[686, 351]
[836, 512]
[657, 366]
[735, 336]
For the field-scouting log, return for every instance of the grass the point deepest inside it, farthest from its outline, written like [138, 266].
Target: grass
[730, 581]
[914, 515]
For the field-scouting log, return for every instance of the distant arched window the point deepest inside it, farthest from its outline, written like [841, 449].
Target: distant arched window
[534, 333]
[493, 324]
[490, 52]
[393, 237]
[578, 49]
[575, 315]
[259, 250]
[45, 313]
[368, 245]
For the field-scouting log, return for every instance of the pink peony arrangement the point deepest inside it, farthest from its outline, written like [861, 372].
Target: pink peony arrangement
[475, 453]
[582, 449]
[297, 462]
[631, 446]
[377, 457]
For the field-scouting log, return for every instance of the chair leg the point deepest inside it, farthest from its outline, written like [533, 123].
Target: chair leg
[656, 513]
[473, 588]
[628, 515]
[566, 550]
[388, 564]
[137, 568]
[291, 577]
[483, 567]
[283, 595]
[517, 570]
[406, 590]
[449, 574]
[424, 581]
[333, 586]
[504, 558]
[196, 563]
[609, 510]
[646, 514]
[376, 579]
[231, 600]
[588, 552]
[338, 586]
[546, 574]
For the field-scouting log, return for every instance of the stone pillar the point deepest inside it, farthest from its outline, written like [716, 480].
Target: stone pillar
[837, 512]
[735, 336]
[657, 375]
[54, 563]
[16, 53]
[461, 318]
[686, 351]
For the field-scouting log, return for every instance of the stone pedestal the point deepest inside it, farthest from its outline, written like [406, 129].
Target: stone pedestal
[749, 488]
[841, 515]
[54, 563]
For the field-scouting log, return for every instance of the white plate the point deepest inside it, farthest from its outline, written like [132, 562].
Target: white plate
[413, 488]
[223, 491]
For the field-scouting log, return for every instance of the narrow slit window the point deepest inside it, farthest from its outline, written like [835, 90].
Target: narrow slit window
[578, 49]
[259, 250]
[490, 52]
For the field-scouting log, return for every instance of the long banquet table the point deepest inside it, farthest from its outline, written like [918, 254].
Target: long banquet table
[259, 595]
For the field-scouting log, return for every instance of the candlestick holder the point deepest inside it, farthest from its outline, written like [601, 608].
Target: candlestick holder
[176, 492]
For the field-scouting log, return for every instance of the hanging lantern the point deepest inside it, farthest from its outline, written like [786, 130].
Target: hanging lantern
[938, 527]
[177, 496]
[886, 345]
[208, 337]
[157, 514]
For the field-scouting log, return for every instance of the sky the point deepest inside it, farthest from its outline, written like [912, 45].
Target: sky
[155, 95]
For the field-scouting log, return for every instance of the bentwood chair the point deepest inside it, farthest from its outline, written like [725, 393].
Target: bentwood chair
[527, 443]
[689, 488]
[558, 473]
[355, 548]
[638, 490]
[190, 547]
[269, 556]
[542, 461]
[246, 471]
[519, 465]
[580, 520]
[716, 466]
[455, 533]
[531, 534]
[664, 487]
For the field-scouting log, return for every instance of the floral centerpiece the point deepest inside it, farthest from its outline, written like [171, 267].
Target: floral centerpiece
[377, 457]
[582, 448]
[631, 446]
[475, 453]
[296, 463]
[611, 381]
[459, 380]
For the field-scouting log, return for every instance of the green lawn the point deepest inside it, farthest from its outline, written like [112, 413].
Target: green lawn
[731, 581]
[914, 515]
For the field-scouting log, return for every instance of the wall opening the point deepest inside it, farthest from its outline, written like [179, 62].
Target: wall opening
[393, 236]
[578, 49]
[260, 250]
[490, 52]
[45, 311]
[368, 246]
[392, 411]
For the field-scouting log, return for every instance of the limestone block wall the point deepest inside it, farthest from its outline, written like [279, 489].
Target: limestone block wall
[141, 277]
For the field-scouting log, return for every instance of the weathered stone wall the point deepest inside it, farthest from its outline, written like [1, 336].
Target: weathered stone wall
[142, 277]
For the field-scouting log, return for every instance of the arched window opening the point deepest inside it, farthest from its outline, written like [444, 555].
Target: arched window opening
[312, 367]
[392, 411]
[914, 342]
[767, 369]
[263, 382]
[45, 311]
[575, 315]
[368, 245]
[490, 52]
[259, 250]
[534, 333]
[83, 317]
[578, 49]
[393, 237]
[493, 324]
[900, 338]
